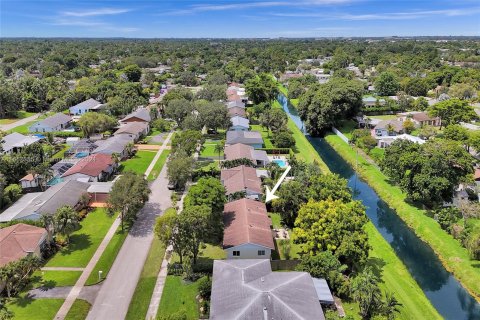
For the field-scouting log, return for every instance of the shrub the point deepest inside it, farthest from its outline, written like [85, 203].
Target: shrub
[284, 139]
[205, 287]
[446, 217]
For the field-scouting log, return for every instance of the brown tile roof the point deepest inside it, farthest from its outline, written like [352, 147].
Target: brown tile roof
[29, 177]
[246, 221]
[18, 241]
[238, 151]
[422, 116]
[234, 97]
[241, 178]
[236, 111]
[92, 165]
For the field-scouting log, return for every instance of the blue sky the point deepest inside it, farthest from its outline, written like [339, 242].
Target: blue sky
[237, 18]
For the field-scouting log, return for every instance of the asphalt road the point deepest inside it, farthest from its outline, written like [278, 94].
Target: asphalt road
[7, 127]
[117, 290]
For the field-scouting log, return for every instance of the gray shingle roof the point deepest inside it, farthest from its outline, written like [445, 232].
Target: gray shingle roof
[141, 113]
[16, 139]
[88, 104]
[61, 194]
[240, 121]
[245, 137]
[55, 120]
[248, 289]
[115, 144]
[132, 128]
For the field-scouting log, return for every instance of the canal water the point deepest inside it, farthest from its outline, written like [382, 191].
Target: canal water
[446, 294]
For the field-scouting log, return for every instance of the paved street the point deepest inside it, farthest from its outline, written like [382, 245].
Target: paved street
[117, 290]
[10, 126]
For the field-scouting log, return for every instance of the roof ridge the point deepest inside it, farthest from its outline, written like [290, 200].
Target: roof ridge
[286, 305]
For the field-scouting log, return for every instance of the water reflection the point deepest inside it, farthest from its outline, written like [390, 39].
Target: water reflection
[445, 293]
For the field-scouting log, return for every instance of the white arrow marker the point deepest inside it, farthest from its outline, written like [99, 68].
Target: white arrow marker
[271, 194]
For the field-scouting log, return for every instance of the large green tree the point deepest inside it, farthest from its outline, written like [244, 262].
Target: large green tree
[387, 84]
[129, 194]
[261, 89]
[324, 106]
[336, 226]
[452, 111]
[66, 220]
[92, 122]
[179, 169]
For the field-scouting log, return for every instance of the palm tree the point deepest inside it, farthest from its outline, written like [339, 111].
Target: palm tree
[219, 147]
[129, 148]
[391, 306]
[66, 221]
[366, 292]
[115, 158]
[48, 224]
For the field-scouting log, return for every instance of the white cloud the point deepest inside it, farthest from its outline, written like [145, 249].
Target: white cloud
[95, 12]
[248, 5]
[384, 16]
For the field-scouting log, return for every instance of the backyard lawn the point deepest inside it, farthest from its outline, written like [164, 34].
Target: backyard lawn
[179, 295]
[83, 242]
[143, 292]
[158, 165]
[265, 135]
[454, 257]
[384, 117]
[209, 150]
[139, 162]
[60, 154]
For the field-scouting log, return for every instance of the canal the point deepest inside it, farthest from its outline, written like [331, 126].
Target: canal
[445, 293]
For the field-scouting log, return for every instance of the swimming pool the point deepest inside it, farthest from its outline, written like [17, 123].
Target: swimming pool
[280, 162]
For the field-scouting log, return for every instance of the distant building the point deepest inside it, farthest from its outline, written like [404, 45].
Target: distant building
[140, 115]
[248, 289]
[236, 104]
[239, 124]
[57, 122]
[384, 142]
[251, 138]
[387, 128]
[30, 181]
[419, 118]
[372, 101]
[86, 106]
[247, 233]
[15, 142]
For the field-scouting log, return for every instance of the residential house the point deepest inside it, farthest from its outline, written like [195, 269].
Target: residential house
[21, 240]
[247, 233]
[116, 144]
[419, 118]
[15, 142]
[239, 151]
[239, 124]
[236, 104]
[57, 122]
[99, 191]
[242, 179]
[140, 115]
[387, 128]
[251, 138]
[82, 148]
[86, 106]
[372, 101]
[32, 206]
[248, 289]
[386, 141]
[30, 181]
[133, 130]
[236, 111]
[94, 168]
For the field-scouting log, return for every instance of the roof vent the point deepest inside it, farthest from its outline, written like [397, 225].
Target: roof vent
[265, 313]
[262, 279]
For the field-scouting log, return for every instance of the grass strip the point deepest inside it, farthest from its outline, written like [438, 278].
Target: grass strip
[143, 292]
[159, 165]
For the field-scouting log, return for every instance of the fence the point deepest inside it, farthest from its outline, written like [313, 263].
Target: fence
[284, 264]
[341, 135]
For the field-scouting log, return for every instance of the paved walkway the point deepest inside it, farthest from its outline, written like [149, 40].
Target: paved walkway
[117, 290]
[88, 293]
[157, 156]
[74, 293]
[10, 126]
[61, 269]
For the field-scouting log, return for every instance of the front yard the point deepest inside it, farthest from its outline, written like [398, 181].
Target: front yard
[139, 162]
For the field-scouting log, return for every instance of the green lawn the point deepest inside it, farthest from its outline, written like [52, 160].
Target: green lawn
[276, 219]
[158, 165]
[143, 292]
[178, 295]
[20, 115]
[453, 256]
[52, 279]
[26, 308]
[108, 257]
[397, 279]
[209, 150]
[139, 162]
[347, 128]
[282, 89]
[24, 128]
[79, 310]
[83, 242]
[384, 117]
[265, 135]
[60, 154]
